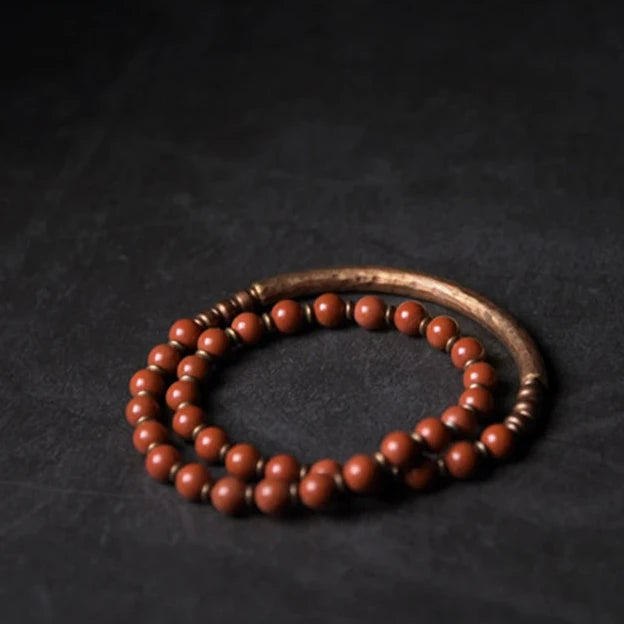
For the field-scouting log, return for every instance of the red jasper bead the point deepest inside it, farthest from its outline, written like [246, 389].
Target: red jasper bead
[440, 330]
[408, 317]
[190, 480]
[249, 327]
[466, 349]
[228, 495]
[284, 467]
[370, 312]
[209, 442]
[160, 460]
[478, 398]
[214, 341]
[287, 316]
[329, 310]
[186, 419]
[146, 380]
[480, 373]
[147, 433]
[139, 406]
[186, 332]
[180, 392]
[164, 356]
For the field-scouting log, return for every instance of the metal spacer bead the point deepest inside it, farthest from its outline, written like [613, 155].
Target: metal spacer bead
[514, 424]
[482, 449]
[232, 335]
[249, 496]
[452, 427]
[470, 363]
[308, 313]
[223, 451]
[303, 471]
[293, 490]
[197, 431]
[442, 469]
[349, 309]
[469, 407]
[226, 310]
[174, 471]
[395, 472]
[204, 494]
[204, 355]
[152, 446]
[260, 467]
[156, 369]
[185, 403]
[524, 407]
[389, 315]
[422, 328]
[188, 378]
[176, 345]
[417, 438]
[145, 393]
[477, 385]
[339, 481]
[268, 322]
[528, 393]
[142, 420]
[450, 342]
[245, 300]
[380, 458]
[197, 321]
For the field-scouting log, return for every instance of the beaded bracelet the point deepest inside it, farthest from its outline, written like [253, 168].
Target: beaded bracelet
[435, 451]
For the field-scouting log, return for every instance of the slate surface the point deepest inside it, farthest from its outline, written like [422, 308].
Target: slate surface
[156, 158]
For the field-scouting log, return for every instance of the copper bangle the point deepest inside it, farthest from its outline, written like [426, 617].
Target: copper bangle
[436, 447]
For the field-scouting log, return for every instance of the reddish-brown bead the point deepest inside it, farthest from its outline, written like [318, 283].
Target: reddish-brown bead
[272, 496]
[329, 310]
[140, 406]
[209, 442]
[146, 380]
[480, 373]
[249, 327]
[370, 312]
[466, 349]
[408, 317]
[288, 316]
[499, 441]
[284, 467]
[434, 433]
[160, 460]
[326, 466]
[461, 420]
[423, 476]
[180, 392]
[462, 460]
[228, 495]
[400, 449]
[186, 332]
[440, 330]
[214, 341]
[478, 398]
[317, 490]
[241, 461]
[361, 474]
[190, 480]
[147, 433]
[186, 419]
[194, 366]
[164, 356]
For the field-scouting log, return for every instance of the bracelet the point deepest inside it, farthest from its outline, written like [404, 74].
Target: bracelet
[454, 446]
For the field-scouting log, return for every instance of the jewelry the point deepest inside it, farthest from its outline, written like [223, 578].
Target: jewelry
[453, 446]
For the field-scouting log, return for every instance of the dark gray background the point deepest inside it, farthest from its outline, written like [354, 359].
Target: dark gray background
[157, 158]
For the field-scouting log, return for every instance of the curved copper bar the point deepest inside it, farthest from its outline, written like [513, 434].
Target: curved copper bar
[409, 283]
